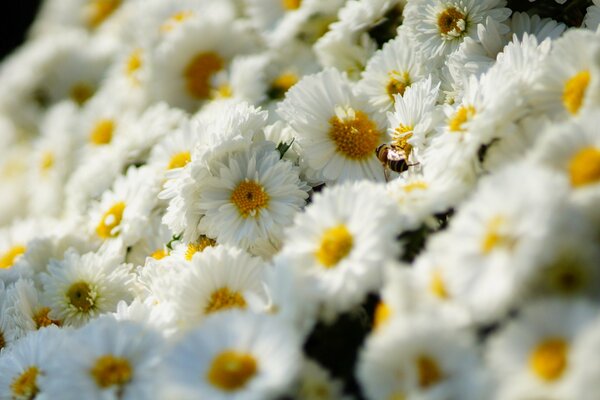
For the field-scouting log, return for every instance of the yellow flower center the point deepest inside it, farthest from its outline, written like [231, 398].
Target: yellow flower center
[460, 118]
[99, 10]
[574, 91]
[81, 296]
[175, 20]
[159, 254]
[24, 386]
[355, 136]
[429, 372]
[249, 197]
[291, 4]
[42, 319]
[231, 370]
[9, 257]
[397, 84]
[199, 71]
[282, 84]
[584, 167]
[549, 359]
[416, 185]
[111, 371]
[224, 91]
[224, 299]
[494, 237]
[81, 92]
[133, 65]
[336, 244]
[437, 286]
[197, 247]
[111, 220]
[451, 23]
[46, 161]
[179, 160]
[102, 132]
[383, 312]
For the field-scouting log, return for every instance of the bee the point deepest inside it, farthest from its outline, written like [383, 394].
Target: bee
[392, 158]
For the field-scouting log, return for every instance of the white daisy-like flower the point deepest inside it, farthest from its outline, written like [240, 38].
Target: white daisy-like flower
[533, 356]
[335, 128]
[592, 17]
[522, 23]
[107, 359]
[391, 71]
[122, 213]
[233, 355]
[14, 167]
[218, 279]
[421, 358]
[81, 287]
[250, 196]
[341, 242]
[153, 243]
[186, 62]
[439, 26]
[316, 383]
[24, 365]
[568, 83]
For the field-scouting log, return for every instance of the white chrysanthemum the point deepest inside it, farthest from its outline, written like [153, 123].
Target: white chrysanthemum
[233, 355]
[341, 242]
[80, 288]
[107, 359]
[522, 23]
[337, 133]
[391, 71]
[572, 150]
[250, 196]
[217, 279]
[592, 17]
[316, 383]
[153, 243]
[186, 63]
[496, 243]
[25, 310]
[532, 357]
[24, 365]
[122, 213]
[14, 166]
[52, 161]
[421, 358]
[439, 26]
[154, 315]
[569, 81]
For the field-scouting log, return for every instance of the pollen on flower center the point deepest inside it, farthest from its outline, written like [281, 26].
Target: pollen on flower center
[437, 286]
[9, 257]
[81, 92]
[574, 91]
[102, 132]
[223, 299]
[494, 237]
[291, 4]
[24, 386]
[249, 197]
[198, 246]
[110, 220]
[429, 372]
[336, 244]
[199, 71]
[231, 370]
[383, 312]
[417, 185]
[397, 84]
[110, 371]
[549, 359]
[176, 19]
[355, 135]
[42, 319]
[179, 160]
[584, 167]
[81, 296]
[460, 118]
[451, 23]
[99, 10]
[159, 254]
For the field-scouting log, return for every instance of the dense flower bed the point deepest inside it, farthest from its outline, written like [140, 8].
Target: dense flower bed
[301, 199]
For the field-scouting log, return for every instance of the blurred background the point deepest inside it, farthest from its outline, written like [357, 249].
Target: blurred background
[15, 25]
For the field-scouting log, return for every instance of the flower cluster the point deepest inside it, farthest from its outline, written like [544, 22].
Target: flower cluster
[301, 199]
